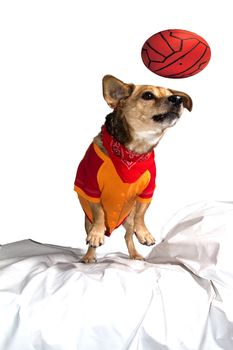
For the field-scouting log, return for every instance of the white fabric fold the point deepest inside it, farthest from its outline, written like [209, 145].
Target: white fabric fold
[180, 298]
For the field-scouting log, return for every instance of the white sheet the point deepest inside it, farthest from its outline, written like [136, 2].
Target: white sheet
[180, 298]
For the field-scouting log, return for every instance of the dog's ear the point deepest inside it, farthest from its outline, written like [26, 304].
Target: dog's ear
[115, 90]
[187, 101]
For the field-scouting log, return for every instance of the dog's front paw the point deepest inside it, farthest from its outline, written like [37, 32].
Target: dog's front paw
[87, 259]
[95, 238]
[136, 256]
[144, 236]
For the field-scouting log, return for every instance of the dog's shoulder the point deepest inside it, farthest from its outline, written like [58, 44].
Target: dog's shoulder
[98, 141]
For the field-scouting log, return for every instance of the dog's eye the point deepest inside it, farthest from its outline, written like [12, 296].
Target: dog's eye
[148, 96]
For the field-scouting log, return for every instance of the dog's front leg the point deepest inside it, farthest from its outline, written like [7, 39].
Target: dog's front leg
[140, 228]
[95, 235]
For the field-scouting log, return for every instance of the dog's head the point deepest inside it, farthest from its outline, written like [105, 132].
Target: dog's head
[141, 113]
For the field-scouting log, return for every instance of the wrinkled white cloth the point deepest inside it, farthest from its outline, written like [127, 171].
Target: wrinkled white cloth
[180, 298]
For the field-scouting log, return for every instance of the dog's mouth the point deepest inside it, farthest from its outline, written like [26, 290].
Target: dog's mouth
[165, 117]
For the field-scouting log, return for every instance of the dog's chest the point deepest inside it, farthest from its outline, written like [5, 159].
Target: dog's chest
[114, 189]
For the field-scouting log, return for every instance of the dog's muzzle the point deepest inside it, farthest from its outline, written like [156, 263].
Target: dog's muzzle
[175, 100]
[170, 116]
[174, 103]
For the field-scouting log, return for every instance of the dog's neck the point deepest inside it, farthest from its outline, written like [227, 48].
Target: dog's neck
[137, 141]
[137, 144]
[144, 141]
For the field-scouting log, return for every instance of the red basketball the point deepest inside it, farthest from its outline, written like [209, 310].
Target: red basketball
[175, 53]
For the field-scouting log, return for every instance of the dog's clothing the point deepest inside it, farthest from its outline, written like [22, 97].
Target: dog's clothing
[115, 180]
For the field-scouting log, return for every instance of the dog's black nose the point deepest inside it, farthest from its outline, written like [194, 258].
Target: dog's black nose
[175, 100]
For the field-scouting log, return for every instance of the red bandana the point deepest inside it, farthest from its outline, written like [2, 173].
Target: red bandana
[129, 164]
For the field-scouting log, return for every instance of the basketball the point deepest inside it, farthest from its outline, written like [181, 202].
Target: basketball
[175, 53]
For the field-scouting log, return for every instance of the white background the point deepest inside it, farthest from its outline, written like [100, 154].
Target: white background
[53, 55]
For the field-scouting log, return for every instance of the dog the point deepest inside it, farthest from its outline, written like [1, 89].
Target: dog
[115, 180]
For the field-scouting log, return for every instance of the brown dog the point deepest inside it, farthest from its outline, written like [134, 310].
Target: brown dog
[116, 178]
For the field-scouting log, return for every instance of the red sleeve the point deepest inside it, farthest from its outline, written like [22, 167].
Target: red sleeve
[148, 192]
[86, 183]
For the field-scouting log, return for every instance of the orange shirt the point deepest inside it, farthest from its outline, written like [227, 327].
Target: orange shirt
[98, 180]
